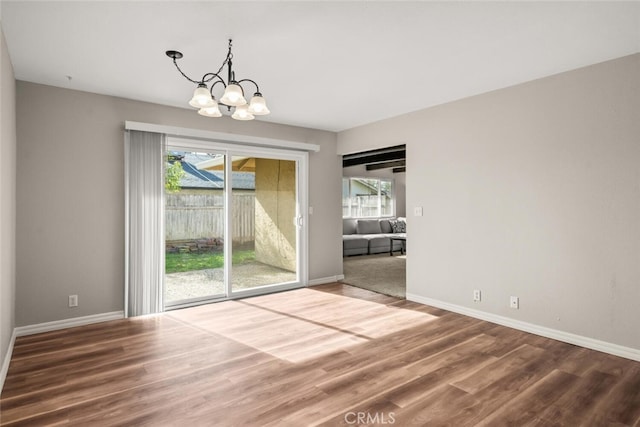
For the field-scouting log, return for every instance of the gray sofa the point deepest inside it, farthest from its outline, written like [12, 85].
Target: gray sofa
[369, 236]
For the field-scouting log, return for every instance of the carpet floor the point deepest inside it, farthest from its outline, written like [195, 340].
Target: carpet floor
[379, 273]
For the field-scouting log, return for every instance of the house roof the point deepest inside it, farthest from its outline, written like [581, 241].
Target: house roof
[197, 177]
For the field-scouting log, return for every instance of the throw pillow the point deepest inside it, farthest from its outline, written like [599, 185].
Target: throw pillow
[398, 226]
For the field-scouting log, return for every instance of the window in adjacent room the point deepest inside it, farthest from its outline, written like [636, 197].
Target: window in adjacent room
[367, 197]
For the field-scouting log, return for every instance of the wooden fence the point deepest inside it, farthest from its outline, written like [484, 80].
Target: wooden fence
[363, 206]
[200, 215]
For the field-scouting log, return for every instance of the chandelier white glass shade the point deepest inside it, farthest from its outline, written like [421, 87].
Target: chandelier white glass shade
[212, 111]
[202, 97]
[258, 106]
[242, 113]
[232, 97]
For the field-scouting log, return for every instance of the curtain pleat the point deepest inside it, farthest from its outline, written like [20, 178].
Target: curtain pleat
[144, 252]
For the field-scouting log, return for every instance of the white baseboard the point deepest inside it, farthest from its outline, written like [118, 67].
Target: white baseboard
[323, 280]
[7, 360]
[67, 323]
[593, 344]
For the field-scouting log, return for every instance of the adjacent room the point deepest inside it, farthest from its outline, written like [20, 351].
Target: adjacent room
[374, 231]
[319, 213]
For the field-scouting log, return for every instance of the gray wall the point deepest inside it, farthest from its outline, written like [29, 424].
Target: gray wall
[398, 179]
[70, 199]
[532, 191]
[7, 198]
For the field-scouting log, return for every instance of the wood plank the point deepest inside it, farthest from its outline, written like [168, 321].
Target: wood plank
[521, 371]
[436, 409]
[600, 399]
[527, 405]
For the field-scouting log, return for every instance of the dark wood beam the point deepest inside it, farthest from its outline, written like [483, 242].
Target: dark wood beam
[374, 156]
[386, 165]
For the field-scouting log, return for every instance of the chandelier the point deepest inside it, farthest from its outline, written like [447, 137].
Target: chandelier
[233, 96]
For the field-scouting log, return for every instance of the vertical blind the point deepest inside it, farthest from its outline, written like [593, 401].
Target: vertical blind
[144, 222]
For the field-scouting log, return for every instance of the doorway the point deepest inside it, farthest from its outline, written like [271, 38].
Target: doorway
[233, 221]
[373, 193]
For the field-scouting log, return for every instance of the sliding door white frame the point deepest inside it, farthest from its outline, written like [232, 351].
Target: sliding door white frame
[301, 159]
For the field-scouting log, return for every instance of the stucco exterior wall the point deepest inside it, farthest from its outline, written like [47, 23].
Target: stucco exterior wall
[275, 211]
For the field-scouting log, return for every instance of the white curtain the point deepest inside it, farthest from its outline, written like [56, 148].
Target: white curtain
[144, 222]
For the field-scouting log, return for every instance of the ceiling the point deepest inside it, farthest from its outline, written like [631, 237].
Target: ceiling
[325, 65]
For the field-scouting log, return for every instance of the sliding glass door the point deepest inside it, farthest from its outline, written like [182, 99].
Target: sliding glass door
[194, 227]
[264, 235]
[233, 221]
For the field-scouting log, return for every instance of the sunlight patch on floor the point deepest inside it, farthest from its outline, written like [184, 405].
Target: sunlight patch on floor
[292, 329]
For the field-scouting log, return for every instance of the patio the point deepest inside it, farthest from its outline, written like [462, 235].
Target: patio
[207, 282]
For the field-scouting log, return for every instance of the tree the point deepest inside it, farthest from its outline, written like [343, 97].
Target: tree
[172, 177]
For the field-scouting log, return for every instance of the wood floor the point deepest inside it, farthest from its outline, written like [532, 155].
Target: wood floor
[328, 355]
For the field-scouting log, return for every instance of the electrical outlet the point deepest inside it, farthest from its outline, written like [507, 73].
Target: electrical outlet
[514, 302]
[476, 295]
[73, 300]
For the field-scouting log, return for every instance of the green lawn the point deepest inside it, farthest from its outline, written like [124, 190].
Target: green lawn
[179, 262]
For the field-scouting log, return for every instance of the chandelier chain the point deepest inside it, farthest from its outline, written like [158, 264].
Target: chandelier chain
[213, 75]
[175, 62]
